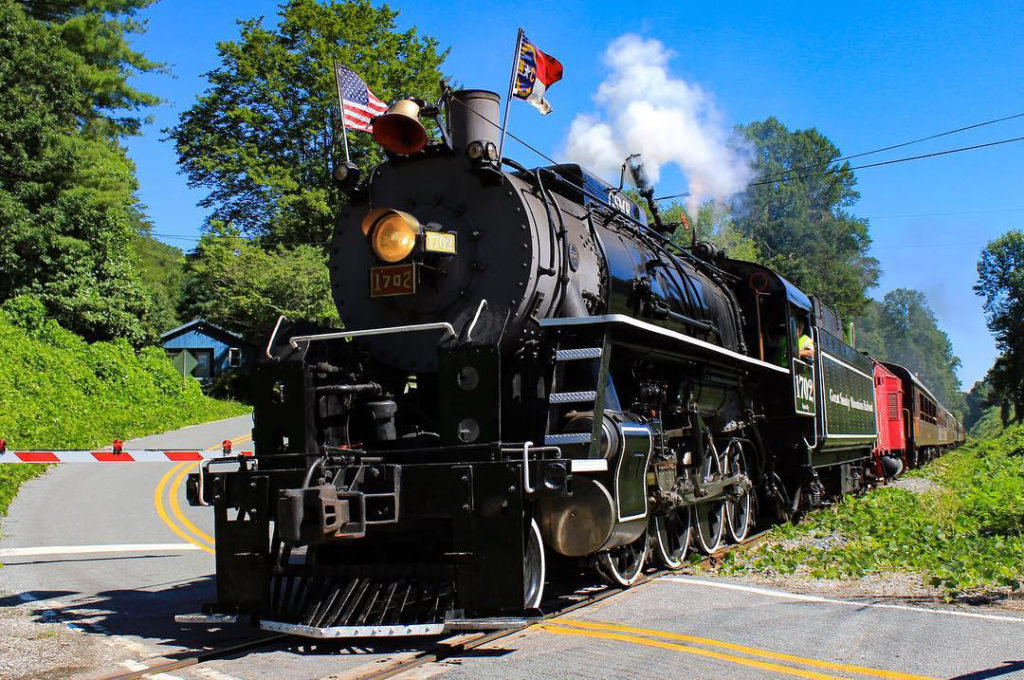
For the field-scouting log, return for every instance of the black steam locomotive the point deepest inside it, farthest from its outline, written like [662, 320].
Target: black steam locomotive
[528, 369]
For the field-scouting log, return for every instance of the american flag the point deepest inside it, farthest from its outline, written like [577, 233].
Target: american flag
[361, 105]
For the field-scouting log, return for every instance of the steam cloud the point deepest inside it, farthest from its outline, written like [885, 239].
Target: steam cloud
[644, 109]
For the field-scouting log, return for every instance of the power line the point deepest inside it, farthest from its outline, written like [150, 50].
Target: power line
[936, 153]
[903, 144]
[893, 161]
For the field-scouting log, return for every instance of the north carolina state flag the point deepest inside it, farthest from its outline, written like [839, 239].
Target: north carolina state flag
[535, 73]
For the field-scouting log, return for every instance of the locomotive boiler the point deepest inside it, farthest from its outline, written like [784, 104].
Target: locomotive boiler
[530, 373]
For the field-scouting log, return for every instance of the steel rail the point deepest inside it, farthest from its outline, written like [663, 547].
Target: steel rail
[195, 659]
[441, 651]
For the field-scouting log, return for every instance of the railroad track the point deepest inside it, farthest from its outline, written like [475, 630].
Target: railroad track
[447, 648]
[451, 646]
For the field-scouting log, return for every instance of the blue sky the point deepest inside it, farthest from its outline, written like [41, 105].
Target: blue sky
[864, 74]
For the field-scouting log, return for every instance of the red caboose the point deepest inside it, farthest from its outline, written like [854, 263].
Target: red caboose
[890, 454]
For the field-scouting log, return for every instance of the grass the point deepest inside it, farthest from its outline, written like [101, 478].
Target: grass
[963, 533]
[61, 392]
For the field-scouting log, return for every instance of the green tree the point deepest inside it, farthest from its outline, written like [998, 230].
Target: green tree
[67, 206]
[99, 33]
[161, 268]
[715, 223]
[264, 137]
[902, 329]
[234, 283]
[799, 216]
[1001, 283]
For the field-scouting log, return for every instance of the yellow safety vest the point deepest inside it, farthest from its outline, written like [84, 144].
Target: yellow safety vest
[805, 342]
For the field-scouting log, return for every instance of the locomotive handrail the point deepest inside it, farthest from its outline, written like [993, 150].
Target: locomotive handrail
[340, 335]
[204, 467]
[527, 487]
[273, 336]
[476, 317]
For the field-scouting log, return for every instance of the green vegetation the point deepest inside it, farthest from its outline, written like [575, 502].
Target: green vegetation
[797, 212]
[234, 283]
[162, 269]
[989, 425]
[903, 329]
[1001, 283]
[264, 138]
[68, 209]
[963, 533]
[62, 392]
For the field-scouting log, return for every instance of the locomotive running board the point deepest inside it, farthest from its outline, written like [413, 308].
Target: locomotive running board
[627, 321]
[353, 631]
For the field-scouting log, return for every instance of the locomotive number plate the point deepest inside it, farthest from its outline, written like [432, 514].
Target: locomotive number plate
[396, 280]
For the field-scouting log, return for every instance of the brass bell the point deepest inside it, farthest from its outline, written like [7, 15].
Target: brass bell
[399, 130]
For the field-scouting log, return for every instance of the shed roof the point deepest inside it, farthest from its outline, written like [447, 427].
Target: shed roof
[202, 324]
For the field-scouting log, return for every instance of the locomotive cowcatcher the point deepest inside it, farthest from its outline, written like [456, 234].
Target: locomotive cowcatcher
[528, 369]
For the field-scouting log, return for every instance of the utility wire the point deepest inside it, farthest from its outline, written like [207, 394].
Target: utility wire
[753, 184]
[880, 150]
[893, 161]
[903, 144]
[905, 159]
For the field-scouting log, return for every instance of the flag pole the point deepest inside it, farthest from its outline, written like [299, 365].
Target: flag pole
[511, 83]
[341, 103]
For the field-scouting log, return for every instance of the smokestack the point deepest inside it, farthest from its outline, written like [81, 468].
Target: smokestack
[473, 117]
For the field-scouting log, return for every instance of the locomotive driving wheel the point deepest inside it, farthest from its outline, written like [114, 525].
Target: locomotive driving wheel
[533, 566]
[709, 516]
[622, 566]
[738, 511]
[672, 534]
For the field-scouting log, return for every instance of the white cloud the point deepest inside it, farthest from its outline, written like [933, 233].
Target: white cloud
[643, 108]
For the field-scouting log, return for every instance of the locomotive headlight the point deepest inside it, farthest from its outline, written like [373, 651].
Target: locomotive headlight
[393, 234]
[475, 151]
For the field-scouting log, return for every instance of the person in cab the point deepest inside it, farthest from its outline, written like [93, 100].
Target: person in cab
[804, 343]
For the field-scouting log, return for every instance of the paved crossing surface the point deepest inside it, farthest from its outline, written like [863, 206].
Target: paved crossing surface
[114, 551]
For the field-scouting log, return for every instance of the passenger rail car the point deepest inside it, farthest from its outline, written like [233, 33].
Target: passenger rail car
[528, 368]
[929, 427]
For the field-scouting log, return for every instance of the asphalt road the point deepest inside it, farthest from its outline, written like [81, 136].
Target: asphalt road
[115, 551]
[87, 544]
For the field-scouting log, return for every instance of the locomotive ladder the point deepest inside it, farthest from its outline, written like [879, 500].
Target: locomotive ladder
[573, 389]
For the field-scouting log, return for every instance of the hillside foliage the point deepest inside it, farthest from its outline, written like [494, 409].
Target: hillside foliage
[1001, 284]
[903, 329]
[964, 534]
[63, 392]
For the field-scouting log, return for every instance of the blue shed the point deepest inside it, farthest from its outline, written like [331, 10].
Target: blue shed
[205, 351]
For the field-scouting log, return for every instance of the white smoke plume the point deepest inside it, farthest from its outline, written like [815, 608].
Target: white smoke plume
[644, 109]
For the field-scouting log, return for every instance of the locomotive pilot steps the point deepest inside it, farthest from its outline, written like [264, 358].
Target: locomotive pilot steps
[528, 369]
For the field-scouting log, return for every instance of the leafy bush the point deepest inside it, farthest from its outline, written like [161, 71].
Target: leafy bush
[965, 534]
[62, 392]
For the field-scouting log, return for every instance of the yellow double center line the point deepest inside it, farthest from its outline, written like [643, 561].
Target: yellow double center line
[171, 483]
[690, 644]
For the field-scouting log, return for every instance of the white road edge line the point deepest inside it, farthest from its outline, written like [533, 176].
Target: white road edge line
[83, 549]
[814, 598]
